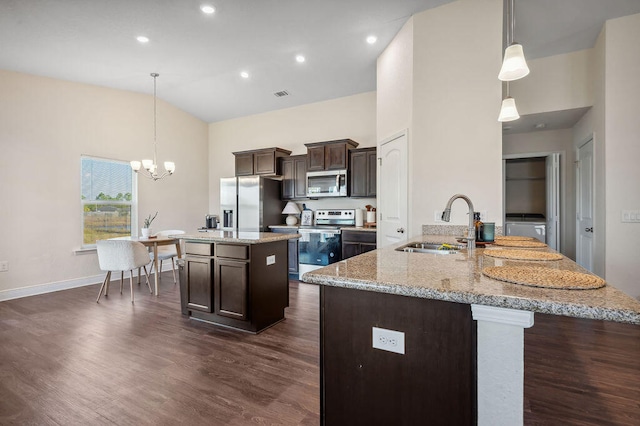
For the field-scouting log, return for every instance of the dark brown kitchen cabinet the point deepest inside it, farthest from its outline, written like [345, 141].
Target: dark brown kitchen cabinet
[357, 242]
[198, 272]
[294, 177]
[244, 286]
[259, 161]
[329, 155]
[231, 288]
[363, 172]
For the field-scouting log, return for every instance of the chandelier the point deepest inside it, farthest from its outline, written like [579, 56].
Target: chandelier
[151, 166]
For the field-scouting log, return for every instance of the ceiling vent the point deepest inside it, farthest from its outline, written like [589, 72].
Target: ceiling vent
[281, 94]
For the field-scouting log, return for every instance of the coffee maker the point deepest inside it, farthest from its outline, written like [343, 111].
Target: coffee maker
[211, 221]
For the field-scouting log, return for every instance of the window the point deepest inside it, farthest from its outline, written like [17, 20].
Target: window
[108, 199]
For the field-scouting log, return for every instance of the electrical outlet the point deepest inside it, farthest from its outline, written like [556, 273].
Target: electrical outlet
[4, 265]
[271, 259]
[437, 215]
[388, 340]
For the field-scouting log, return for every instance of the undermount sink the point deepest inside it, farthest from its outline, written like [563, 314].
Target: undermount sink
[436, 248]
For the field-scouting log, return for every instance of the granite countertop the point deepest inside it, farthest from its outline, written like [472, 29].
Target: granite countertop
[458, 278]
[239, 237]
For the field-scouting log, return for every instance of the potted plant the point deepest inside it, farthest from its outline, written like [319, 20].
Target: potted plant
[146, 228]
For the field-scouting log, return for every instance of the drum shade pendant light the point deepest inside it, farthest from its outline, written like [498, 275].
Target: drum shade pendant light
[514, 65]
[508, 111]
[151, 166]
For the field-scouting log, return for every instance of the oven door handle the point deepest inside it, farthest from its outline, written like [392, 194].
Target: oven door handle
[319, 231]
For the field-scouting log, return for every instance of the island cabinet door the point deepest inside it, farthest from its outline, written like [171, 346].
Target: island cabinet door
[231, 288]
[198, 270]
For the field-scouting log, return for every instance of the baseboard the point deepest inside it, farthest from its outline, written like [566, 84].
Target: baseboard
[45, 288]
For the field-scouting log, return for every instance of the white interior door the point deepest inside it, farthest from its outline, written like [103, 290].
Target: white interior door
[584, 208]
[392, 190]
[553, 200]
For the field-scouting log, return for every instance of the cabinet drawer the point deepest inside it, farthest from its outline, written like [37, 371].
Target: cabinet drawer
[201, 249]
[359, 237]
[232, 251]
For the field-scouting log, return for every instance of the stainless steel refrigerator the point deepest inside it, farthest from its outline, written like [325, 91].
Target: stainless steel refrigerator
[250, 203]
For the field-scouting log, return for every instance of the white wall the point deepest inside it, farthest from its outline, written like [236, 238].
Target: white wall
[556, 83]
[456, 139]
[45, 126]
[395, 85]
[544, 142]
[352, 117]
[598, 124]
[622, 151]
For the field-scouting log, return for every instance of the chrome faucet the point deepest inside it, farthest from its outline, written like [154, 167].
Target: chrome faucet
[471, 233]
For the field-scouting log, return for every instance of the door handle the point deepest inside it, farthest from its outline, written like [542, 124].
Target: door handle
[400, 230]
[588, 229]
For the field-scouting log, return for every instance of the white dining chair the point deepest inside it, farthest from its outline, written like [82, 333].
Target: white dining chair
[121, 255]
[167, 252]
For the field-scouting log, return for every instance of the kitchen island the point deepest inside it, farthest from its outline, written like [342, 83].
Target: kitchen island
[235, 279]
[461, 333]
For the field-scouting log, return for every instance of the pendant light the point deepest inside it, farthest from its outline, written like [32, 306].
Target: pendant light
[508, 111]
[151, 166]
[514, 65]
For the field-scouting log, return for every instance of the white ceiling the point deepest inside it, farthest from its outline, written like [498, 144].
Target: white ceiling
[199, 57]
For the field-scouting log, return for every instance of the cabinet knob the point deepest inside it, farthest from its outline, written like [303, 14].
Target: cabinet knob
[400, 230]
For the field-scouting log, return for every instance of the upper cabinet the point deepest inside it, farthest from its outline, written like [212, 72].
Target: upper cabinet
[329, 155]
[259, 161]
[363, 172]
[294, 177]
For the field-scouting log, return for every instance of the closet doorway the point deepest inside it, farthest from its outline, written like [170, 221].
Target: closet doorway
[531, 194]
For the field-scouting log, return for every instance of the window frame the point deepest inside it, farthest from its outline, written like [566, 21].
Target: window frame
[133, 203]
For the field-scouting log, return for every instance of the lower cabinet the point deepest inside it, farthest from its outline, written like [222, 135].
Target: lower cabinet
[231, 288]
[244, 286]
[197, 277]
[357, 242]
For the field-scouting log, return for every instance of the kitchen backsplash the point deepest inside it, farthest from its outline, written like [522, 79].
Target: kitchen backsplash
[453, 230]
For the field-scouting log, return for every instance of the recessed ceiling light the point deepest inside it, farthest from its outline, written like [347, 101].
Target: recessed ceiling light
[142, 39]
[208, 9]
[372, 39]
[244, 74]
[300, 58]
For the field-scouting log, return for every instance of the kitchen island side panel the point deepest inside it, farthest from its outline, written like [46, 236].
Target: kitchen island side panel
[435, 379]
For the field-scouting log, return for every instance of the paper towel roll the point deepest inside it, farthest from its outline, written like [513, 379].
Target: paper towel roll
[371, 217]
[359, 217]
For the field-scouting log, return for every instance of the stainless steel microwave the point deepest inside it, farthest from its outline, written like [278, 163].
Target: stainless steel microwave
[329, 183]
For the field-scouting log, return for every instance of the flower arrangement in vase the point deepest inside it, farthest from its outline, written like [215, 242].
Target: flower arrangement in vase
[146, 228]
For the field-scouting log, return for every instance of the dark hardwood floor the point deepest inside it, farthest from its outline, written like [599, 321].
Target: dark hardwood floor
[65, 360]
[581, 372]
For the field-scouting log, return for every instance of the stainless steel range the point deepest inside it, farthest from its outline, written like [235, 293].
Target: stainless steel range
[320, 244]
